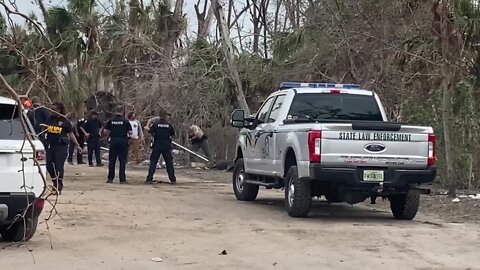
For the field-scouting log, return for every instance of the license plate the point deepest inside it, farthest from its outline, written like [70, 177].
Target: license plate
[373, 176]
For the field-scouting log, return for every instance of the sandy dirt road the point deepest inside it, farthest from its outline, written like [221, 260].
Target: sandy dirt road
[125, 226]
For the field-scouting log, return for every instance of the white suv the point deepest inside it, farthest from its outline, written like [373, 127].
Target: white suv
[21, 185]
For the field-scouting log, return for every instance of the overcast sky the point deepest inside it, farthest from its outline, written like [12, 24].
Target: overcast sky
[29, 6]
[105, 7]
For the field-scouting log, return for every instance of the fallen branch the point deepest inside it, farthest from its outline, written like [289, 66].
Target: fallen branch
[179, 146]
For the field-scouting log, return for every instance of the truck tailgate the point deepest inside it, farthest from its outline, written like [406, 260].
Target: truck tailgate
[404, 147]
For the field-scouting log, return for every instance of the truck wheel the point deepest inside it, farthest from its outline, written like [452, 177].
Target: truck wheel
[298, 194]
[243, 191]
[405, 206]
[17, 231]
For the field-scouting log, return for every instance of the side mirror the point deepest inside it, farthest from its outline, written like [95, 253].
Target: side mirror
[238, 119]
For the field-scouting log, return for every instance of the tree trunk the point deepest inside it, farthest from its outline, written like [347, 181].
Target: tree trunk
[291, 9]
[204, 20]
[174, 31]
[231, 5]
[446, 118]
[448, 84]
[43, 9]
[264, 13]
[227, 48]
[239, 30]
[255, 14]
[276, 22]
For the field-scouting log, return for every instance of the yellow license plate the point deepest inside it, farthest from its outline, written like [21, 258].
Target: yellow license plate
[373, 176]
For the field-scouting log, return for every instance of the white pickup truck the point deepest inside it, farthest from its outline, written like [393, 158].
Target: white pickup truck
[334, 140]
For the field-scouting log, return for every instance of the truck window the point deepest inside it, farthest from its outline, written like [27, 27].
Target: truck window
[262, 113]
[10, 126]
[276, 109]
[335, 106]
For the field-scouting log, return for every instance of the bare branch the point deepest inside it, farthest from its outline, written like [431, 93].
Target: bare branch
[39, 27]
[239, 15]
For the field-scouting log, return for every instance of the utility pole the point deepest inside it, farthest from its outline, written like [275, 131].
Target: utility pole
[227, 48]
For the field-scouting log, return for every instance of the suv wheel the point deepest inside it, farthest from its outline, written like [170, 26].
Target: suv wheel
[298, 194]
[18, 230]
[405, 206]
[243, 191]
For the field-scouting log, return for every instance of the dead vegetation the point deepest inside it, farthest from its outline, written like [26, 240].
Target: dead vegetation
[420, 56]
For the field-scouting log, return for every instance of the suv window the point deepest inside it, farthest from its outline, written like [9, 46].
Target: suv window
[335, 106]
[10, 126]
[262, 113]
[276, 109]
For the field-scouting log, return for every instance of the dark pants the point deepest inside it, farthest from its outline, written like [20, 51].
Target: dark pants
[71, 149]
[166, 152]
[93, 145]
[56, 156]
[118, 150]
[203, 144]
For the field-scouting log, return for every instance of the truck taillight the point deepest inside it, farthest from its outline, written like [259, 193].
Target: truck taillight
[314, 142]
[431, 150]
[40, 155]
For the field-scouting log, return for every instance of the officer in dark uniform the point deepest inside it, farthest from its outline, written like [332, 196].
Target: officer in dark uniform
[118, 129]
[80, 138]
[162, 132]
[81, 141]
[92, 131]
[38, 116]
[59, 130]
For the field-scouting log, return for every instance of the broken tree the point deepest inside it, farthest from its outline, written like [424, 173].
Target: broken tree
[227, 49]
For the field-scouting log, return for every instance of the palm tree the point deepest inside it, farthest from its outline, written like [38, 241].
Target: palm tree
[74, 32]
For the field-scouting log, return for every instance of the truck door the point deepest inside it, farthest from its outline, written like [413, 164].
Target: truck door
[257, 136]
[270, 156]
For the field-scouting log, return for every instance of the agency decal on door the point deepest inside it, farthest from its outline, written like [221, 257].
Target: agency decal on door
[251, 143]
[266, 147]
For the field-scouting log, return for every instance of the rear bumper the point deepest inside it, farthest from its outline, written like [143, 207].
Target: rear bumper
[354, 176]
[16, 203]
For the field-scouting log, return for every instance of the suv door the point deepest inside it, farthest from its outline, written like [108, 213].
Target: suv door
[254, 162]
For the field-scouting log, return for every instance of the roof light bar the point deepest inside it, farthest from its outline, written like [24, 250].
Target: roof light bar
[287, 85]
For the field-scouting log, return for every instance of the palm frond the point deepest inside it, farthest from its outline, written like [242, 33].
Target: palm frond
[467, 19]
[286, 44]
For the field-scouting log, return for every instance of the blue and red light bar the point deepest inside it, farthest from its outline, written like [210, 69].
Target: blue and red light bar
[288, 85]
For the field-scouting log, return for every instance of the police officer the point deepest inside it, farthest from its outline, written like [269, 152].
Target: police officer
[92, 131]
[118, 129]
[155, 119]
[38, 116]
[162, 132]
[81, 141]
[58, 130]
[80, 138]
[71, 148]
[151, 122]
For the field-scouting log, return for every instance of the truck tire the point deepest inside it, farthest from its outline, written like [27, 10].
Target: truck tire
[405, 206]
[298, 194]
[243, 191]
[18, 230]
